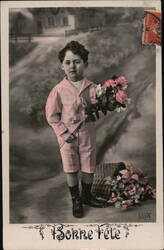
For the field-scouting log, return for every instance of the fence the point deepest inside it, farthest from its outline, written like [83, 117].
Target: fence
[77, 31]
[20, 36]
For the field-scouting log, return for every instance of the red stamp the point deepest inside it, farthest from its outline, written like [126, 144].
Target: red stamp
[152, 28]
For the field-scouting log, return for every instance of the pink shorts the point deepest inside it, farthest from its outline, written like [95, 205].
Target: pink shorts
[81, 153]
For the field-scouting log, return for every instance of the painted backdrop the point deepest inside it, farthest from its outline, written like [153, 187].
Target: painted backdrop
[115, 49]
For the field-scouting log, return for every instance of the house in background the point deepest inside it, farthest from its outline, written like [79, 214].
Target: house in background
[20, 22]
[69, 19]
[55, 21]
[50, 22]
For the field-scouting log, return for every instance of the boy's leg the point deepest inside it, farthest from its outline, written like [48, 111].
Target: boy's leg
[87, 178]
[88, 199]
[73, 184]
[72, 179]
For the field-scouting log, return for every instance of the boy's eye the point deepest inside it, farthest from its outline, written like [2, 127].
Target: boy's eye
[67, 62]
[77, 61]
[74, 62]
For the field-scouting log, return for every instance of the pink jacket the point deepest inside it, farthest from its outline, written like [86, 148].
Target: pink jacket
[65, 106]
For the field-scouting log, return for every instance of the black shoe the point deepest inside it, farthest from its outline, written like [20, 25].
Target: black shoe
[93, 202]
[77, 208]
[89, 199]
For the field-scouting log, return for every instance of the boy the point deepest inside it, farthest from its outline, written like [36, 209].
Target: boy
[65, 112]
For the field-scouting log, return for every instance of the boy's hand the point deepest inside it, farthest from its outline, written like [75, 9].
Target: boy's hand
[68, 137]
[92, 113]
[90, 118]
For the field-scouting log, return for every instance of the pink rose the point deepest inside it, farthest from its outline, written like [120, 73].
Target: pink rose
[154, 193]
[109, 83]
[135, 177]
[124, 207]
[122, 81]
[110, 201]
[119, 198]
[131, 189]
[130, 167]
[131, 192]
[138, 171]
[129, 202]
[126, 175]
[121, 96]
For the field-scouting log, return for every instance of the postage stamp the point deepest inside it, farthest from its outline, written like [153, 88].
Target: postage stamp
[152, 27]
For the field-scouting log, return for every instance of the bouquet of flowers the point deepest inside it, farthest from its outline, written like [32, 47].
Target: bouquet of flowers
[111, 95]
[129, 186]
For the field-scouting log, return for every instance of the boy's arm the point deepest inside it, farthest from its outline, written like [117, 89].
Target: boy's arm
[53, 111]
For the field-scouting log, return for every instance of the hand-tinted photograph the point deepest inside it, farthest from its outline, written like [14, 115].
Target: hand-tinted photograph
[82, 114]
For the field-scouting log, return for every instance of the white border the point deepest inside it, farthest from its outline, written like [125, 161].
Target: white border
[150, 235]
[76, 3]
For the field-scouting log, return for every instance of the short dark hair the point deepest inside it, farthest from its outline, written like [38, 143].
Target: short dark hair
[76, 48]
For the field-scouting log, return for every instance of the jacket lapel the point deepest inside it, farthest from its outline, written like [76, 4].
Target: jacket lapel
[86, 83]
[67, 84]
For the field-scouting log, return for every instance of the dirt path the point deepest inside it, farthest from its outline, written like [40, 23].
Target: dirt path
[45, 45]
[49, 201]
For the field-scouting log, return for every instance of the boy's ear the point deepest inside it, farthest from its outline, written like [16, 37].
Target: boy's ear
[86, 64]
[62, 67]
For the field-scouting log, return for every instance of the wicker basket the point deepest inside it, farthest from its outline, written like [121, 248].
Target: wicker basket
[99, 187]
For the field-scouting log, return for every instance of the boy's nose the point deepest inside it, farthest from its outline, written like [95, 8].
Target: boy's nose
[72, 65]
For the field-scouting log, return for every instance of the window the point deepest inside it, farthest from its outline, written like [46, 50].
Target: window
[65, 21]
[51, 21]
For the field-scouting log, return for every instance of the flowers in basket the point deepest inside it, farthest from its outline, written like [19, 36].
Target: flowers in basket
[129, 186]
[111, 95]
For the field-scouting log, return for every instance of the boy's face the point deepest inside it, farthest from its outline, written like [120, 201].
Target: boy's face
[73, 66]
